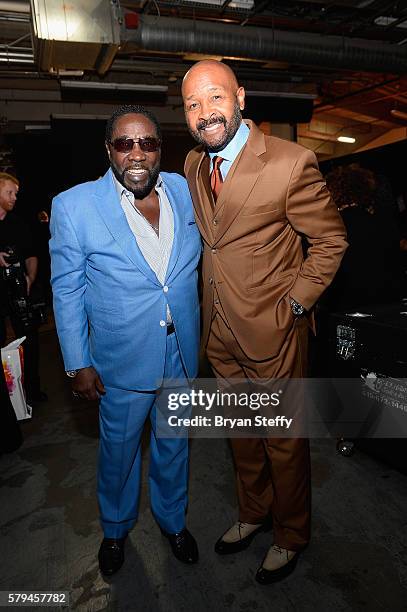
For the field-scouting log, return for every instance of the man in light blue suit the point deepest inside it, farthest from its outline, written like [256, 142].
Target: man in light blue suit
[124, 252]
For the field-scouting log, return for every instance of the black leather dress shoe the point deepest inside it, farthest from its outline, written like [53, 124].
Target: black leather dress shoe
[111, 555]
[183, 546]
[227, 548]
[264, 576]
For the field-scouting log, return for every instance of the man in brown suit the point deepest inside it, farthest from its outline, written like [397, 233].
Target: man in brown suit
[255, 196]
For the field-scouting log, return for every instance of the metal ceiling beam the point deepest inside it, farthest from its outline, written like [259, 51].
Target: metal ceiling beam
[334, 100]
[14, 6]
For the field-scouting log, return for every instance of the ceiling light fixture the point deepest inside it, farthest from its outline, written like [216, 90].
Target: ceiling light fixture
[347, 139]
[398, 114]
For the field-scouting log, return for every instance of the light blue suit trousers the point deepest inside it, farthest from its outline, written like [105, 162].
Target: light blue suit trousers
[122, 417]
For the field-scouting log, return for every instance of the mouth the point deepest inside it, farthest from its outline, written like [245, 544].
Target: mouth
[213, 127]
[136, 173]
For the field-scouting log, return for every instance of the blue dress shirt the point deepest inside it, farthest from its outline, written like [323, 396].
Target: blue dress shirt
[232, 150]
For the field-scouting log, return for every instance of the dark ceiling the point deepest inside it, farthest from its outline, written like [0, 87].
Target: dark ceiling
[347, 59]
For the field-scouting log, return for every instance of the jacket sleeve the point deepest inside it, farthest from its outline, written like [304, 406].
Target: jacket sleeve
[312, 213]
[68, 279]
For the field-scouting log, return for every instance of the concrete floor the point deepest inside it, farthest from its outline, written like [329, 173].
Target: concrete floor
[50, 533]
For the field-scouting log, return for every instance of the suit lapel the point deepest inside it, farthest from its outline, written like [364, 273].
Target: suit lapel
[108, 205]
[179, 227]
[241, 179]
[201, 195]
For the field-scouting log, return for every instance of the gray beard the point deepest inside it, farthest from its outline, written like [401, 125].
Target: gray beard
[139, 192]
[230, 131]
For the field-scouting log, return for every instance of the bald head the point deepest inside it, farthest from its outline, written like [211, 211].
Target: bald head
[214, 69]
[213, 102]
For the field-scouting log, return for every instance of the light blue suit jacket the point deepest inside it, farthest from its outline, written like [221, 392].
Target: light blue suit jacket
[108, 303]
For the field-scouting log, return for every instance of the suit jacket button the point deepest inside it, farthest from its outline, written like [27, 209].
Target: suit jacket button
[215, 222]
[214, 251]
[211, 281]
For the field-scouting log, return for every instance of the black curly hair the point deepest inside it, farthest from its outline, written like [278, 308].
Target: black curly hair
[128, 109]
[352, 186]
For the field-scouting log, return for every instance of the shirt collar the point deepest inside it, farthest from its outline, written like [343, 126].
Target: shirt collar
[231, 151]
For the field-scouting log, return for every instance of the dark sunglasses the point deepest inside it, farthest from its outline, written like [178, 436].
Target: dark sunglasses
[125, 145]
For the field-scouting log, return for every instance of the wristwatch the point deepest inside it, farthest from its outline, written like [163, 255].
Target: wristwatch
[71, 373]
[297, 308]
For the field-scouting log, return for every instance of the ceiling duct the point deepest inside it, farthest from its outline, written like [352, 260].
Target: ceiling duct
[84, 34]
[243, 5]
[227, 40]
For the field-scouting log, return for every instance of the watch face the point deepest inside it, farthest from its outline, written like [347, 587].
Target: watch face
[297, 308]
[71, 373]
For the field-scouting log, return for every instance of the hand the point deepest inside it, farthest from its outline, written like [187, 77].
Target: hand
[3, 260]
[87, 384]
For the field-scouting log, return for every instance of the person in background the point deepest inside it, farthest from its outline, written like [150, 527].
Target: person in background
[17, 243]
[370, 272]
[43, 236]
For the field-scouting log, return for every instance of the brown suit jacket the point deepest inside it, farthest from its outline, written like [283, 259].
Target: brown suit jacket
[272, 196]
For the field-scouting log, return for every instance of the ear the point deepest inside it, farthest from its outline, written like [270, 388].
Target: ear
[240, 95]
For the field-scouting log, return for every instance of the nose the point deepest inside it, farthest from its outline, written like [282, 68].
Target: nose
[206, 110]
[136, 153]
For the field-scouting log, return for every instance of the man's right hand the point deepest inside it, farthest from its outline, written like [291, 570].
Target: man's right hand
[3, 260]
[87, 384]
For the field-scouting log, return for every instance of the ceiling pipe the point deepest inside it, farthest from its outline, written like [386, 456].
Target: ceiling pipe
[191, 36]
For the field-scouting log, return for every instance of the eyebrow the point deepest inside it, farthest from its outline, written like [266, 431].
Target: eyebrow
[211, 89]
[135, 137]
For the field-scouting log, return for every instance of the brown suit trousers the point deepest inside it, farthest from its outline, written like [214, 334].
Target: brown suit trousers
[272, 474]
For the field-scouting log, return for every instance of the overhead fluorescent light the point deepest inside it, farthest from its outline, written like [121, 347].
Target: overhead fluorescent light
[113, 86]
[348, 139]
[399, 114]
[45, 126]
[61, 72]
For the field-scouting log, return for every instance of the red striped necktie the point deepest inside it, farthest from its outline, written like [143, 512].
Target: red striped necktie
[216, 177]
